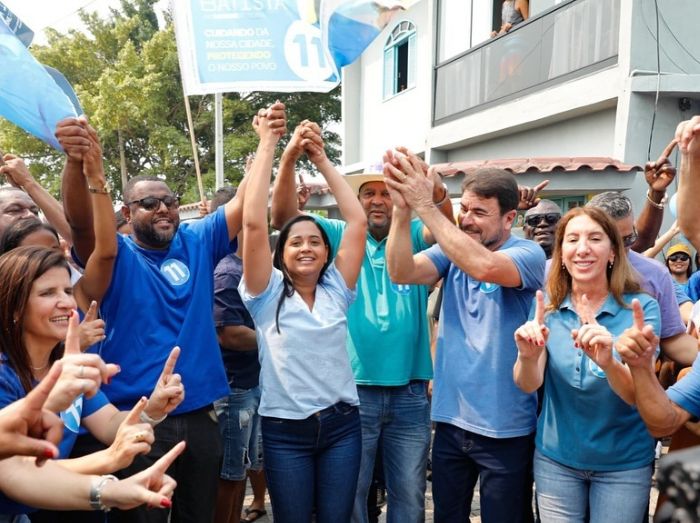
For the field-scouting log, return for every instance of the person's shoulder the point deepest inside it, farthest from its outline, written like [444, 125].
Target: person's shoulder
[531, 248]
[641, 262]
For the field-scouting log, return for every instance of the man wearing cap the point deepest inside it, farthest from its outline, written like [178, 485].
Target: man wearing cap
[388, 340]
[541, 223]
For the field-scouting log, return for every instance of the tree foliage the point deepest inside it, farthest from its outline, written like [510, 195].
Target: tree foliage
[125, 71]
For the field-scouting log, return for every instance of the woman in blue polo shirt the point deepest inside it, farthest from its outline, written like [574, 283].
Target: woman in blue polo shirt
[298, 301]
[593, 453]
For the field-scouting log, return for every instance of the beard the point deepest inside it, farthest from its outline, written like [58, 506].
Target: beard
[148, 235]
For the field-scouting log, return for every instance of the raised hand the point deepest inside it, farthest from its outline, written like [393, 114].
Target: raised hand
[660, 174]
[405, 175]
[15, 171]
[528, 195]
[271, 123]
[92, 329]
[531, 337]
[313, 144]
[27, 428]
[152, 486]
[396, 197]
[295, 148]
[303, 193]
[81, 373]
[133, 437]
[594, 339]
[688, 136]
[168, 392]
[637, 345]
[93, 168]
[73, 136]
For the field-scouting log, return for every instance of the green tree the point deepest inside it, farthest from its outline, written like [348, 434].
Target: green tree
[125, 71]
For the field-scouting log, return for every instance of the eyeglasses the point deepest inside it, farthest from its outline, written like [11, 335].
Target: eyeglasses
[629, 240]
[679, 256]
[151, 203]
[534, 219]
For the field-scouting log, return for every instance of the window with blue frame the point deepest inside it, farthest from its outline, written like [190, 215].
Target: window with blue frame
[400, 59]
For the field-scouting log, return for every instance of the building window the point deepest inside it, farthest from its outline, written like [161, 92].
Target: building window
[400, 59]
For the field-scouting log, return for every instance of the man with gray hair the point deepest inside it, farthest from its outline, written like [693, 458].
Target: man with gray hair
[653, 277]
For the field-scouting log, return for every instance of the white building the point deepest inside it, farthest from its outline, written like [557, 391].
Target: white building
[577, 81]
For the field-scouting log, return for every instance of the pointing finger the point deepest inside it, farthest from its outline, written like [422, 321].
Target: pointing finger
[669, 148]
[72, 345]
[539, 307]
[91, 313]
[135, 413]
[170, 364]
[540, 186]
[638, 314]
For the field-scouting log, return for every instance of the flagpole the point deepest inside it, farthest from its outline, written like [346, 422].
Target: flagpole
[190, 126]
[219, 139]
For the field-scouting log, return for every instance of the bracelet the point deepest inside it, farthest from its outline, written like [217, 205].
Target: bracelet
[659, 205]
[145, 418]
[96, 492]
[95, 190]
[444, 198]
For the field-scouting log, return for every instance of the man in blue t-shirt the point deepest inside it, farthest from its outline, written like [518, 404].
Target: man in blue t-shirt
[388, 342]
[161, 296]
[484, 423]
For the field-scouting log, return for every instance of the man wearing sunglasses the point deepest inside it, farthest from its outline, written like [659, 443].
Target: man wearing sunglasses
[161, 296]
[653, 277]
[540, 224]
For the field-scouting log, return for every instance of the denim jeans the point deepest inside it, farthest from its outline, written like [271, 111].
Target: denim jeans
[461, 457]
[313, 462]
[564, 494]
[398, 419]
[196, 470]
[240, 433]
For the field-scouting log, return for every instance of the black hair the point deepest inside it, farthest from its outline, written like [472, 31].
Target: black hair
[494, 183]
[222, 196]
[129, 187]
[16, 232]
[278, 260]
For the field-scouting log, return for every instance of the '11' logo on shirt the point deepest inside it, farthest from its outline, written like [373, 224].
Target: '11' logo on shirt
[175, 272]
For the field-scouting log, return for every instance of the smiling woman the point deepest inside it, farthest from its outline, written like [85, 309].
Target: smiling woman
[595, 458]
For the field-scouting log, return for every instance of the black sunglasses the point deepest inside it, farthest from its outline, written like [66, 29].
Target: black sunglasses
[534, 219]
[679, 256]
[629, 240]
[151, 203]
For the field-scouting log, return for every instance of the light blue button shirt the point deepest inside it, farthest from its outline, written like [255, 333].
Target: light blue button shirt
[584, 424]
[305, 367]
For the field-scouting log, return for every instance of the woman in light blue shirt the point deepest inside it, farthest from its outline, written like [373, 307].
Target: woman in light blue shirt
[298, 300]
[593, 453]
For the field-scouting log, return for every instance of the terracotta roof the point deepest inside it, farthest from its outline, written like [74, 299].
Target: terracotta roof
[541, 164]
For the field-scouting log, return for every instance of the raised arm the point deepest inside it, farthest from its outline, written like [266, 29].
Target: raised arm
[688, 136]
[466, 253]
[284, 194]
[658, 175]
[74, 138]
[257, 263]
[348, 260]
[18, 175]
[662, 240]
[98, 269]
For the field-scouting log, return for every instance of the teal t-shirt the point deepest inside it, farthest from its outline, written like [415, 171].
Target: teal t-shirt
[389, 341]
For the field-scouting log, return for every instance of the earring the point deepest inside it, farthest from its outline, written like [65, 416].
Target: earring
[563, 266]
[610, 264]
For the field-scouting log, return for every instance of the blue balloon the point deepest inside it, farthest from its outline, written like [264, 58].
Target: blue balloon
[673, 206]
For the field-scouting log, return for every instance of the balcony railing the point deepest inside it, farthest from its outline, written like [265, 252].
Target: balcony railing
[569, 40]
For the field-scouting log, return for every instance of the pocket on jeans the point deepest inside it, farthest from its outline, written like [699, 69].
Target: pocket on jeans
[418, 388]
[344, 409]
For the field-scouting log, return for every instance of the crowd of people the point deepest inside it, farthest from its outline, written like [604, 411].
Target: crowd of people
[159, 353]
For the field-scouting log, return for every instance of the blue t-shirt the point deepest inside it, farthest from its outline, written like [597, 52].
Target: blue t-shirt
[305, 366]
[694, 286]
[686, 392]
[11, 390]
[389, 340]
[584, 424]
[160, 299]
[681, 292]
[473, 387]
[242, 366]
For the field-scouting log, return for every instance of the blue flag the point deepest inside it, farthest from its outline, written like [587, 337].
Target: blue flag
[29, 96]
[274, 45]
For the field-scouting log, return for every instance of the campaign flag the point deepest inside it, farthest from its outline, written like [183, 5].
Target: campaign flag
[29, 96]
[274, 45]
[16, 25]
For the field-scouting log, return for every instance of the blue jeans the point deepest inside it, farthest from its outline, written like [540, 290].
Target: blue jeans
[313, 462]
[461, 457]
[398, 419]
[564, 494]
[240, 433]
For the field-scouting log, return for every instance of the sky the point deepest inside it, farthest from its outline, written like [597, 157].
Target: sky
[59, 14]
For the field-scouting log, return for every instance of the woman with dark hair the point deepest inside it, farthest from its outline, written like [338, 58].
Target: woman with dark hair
[593, 453]
[30, 231]
[299, 302]
[679, 263]
[37, 313]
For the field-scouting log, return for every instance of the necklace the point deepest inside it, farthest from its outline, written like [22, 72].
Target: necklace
[39, 368]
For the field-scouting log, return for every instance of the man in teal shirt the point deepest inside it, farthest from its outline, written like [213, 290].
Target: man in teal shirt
[388, 345]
